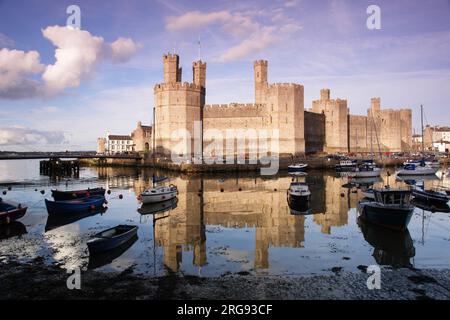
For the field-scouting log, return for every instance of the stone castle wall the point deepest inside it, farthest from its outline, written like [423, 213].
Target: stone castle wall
[314, 132]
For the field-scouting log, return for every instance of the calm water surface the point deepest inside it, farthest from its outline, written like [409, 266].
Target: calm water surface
[220, 224]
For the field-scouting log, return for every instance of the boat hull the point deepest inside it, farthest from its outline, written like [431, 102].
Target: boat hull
[421, 172]
[429, 198]
[154, 198]
[366, 174]
[390, 217]
[297, 169]
[10, 212]
[74, 206]
[99, 244]
[77, 194]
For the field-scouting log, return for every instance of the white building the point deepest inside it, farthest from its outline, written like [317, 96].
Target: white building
[118, 144]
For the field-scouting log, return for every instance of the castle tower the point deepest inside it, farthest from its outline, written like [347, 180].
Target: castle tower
[199, 73]
[178, 107]
[172, 72]
[325, 94]
[260, 73]
[375, 104]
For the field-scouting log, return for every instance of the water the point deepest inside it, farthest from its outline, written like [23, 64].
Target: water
[221, 224]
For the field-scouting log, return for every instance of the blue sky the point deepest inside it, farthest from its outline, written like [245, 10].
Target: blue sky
[105, 82]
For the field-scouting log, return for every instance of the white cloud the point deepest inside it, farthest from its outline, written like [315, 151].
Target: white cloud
[249, 46]
[16, 69]
[5, 41]
[25, 136]
[77, 54]
[251, 34]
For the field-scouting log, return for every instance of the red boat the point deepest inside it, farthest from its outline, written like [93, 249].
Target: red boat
[11, 211]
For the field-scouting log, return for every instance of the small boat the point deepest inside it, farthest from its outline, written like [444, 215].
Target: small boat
[104, 258]
[11, 211]
[299, 191]
[413, 169]
[59, 195]
[346, 165]
[75, 205]
[444, 208]
[366, 171]
[299, 208]
[111, 238]
[159, 207]
[158, 194]
[429, 196]
[297, 167]
[433, 163]
[391, 208]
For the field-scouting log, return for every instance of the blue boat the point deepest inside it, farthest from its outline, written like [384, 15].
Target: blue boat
[111, 238]
[75, 205]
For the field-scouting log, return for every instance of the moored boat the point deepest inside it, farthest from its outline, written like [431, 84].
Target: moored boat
[366, 171]
[444, 208]
[59, 195]
[75, 205]
[413, 169]
[11, 211]
[158, 194]
[430, 196]
[55, 221]
[391, 208]
[346, 165]
[297, 167]
[159, 207]
[101, 259]
[111, 238]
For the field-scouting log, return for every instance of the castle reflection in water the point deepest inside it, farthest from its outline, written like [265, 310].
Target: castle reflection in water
[242, 201]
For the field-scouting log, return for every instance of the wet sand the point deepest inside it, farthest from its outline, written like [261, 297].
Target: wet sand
[38, 281]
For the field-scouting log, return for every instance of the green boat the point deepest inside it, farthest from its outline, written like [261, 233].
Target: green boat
[391, 208]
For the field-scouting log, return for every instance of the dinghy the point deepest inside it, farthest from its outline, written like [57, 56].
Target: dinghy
[111, 238]
[77, 194]
[11, 211]
[76, 205]
[429, 196]
[158, 194]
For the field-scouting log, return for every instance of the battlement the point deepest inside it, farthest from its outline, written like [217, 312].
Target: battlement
[234, 110]
[171, 56]
[260, 62]
[179, 86]
[276, 87]
[199, 63]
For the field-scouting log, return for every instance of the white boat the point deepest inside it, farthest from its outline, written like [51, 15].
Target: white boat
[299, 191]
[345, 165]
[430, 163]
[413, 169]
[158, 194]
[297, 167]
[366, 171]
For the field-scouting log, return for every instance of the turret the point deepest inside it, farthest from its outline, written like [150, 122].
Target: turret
[172, 73]
[260, 73]
[325, 94]
[199, 73]
[375, 104]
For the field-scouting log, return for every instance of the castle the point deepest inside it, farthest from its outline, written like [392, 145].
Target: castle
[327, 127]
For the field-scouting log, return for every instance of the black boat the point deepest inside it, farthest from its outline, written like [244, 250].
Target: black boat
[158, 207]
[430, 196]
[391, 247]
[111, 238]
[77, 194]
[391, 208]
[101, 259]
[299, 207]
[444, 208]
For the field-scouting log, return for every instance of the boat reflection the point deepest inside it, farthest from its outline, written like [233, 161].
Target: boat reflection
[13, 229]
[56, 221]
[391, 247]
[159, 207]
[102, 259]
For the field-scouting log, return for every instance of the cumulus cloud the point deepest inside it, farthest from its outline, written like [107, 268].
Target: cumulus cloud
[250, 34]
[16, 70]
[77, 55]
[25, 136]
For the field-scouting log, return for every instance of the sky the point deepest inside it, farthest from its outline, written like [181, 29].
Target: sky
[61, 88]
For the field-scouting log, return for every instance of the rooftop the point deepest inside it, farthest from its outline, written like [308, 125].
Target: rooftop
[118, 137]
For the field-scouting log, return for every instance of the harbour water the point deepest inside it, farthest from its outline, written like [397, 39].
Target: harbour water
[221, 224]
